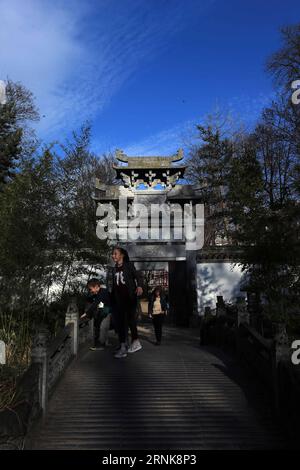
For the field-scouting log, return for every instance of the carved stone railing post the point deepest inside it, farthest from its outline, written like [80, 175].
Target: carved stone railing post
[72, 316]
[207, 312]
[39, 355]
[282, 343]
[2, 352]
[254, 309]
[220, 306]
[242, 312]
[91, 332]
[203, 325]
[281, 353]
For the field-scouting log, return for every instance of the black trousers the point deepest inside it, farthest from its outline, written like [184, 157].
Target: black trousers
[97, 323]
[125, 317]
[158, 322]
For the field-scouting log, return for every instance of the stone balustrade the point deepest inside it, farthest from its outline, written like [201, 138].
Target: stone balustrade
[49, 360]
[233, 328]
[55, 356]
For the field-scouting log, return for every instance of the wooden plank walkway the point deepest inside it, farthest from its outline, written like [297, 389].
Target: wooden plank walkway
[175, 396]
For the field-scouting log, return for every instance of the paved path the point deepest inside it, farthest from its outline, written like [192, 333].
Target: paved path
[175, 396]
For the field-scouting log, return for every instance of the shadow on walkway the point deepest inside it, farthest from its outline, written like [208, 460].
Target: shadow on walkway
[174, 396]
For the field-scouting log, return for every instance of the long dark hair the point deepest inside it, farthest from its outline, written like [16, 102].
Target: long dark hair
[159, 289]
[123, 252]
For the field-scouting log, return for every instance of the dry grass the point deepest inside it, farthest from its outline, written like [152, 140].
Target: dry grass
[15, 332]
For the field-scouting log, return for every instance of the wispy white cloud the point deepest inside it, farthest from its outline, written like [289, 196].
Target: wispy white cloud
[38, 48]
[248, 108]
[240, 112]
[166, 142]
[75, 56]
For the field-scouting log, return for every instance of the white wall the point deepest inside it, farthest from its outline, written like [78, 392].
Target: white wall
[217, 279]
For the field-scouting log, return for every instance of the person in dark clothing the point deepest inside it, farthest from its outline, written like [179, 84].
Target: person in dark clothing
[157, 310]
[126, 286]
[98, 308]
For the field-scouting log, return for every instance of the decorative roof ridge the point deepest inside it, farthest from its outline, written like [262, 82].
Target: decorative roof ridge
[122, 157]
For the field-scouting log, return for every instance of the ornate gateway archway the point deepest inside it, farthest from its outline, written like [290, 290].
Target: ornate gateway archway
[157, 182]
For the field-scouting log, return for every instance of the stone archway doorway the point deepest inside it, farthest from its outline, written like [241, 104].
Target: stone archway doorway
[171, 276]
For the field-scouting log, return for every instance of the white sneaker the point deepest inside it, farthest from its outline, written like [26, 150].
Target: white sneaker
[135, 346]
[121, 353]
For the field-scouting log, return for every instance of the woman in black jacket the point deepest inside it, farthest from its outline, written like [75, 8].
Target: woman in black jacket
[126, 287]
[157, 310]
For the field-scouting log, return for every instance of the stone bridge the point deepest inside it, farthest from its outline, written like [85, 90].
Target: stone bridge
[179, 395]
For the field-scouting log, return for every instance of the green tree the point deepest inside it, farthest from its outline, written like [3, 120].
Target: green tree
[208, 168]
[263, 197]
[26, 206]
[15, 113]
[265, 218]
[81, 250]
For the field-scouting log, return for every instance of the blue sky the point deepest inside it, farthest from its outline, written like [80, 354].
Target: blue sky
[144, 72]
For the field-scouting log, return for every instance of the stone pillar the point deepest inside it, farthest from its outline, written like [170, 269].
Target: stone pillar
[281, 353]
[91, 331]
[2, 352]
[282, 345]
[204, 329]
[72, 316]
[254, 309]
[39, 355]
[178, 295]
[207, 312]
[242, 312]
[191, 287]
[220, 306]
